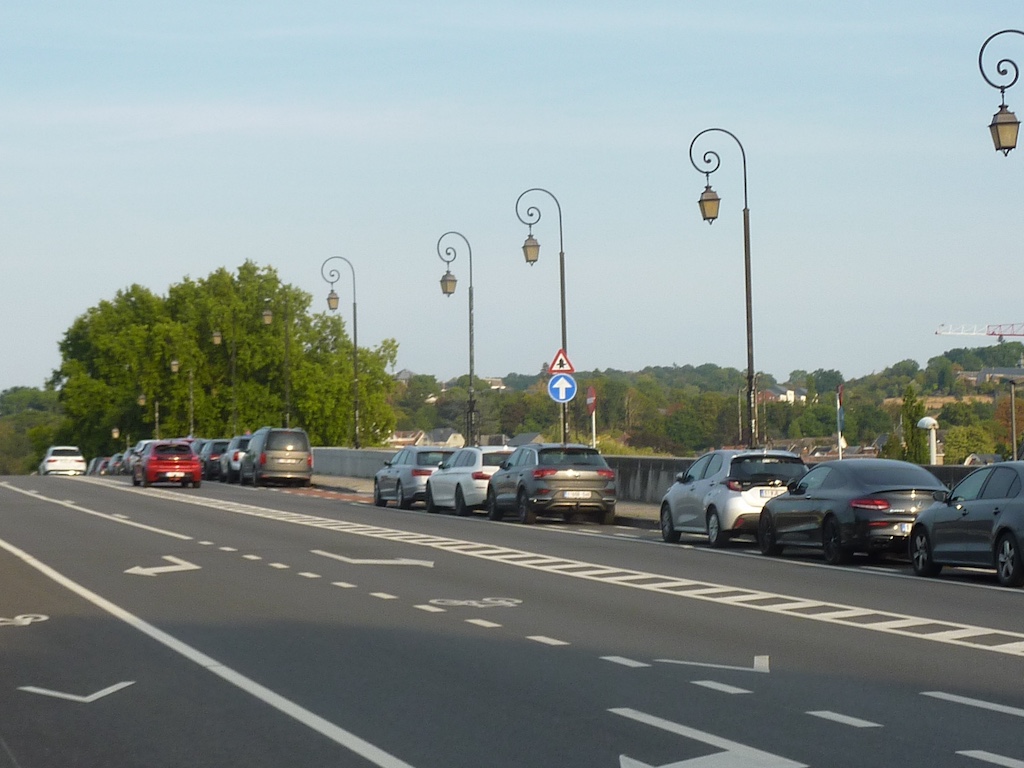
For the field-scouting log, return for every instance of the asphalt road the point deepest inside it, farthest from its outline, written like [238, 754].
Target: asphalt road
[230, 626]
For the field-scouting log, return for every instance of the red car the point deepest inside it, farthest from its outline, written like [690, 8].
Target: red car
[165, 461]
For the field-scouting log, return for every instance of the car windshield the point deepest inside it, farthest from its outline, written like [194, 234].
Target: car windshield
[287, 441]
[495, 459]
[432, 458]
[176, 449]
[571, 457]
[767, 469]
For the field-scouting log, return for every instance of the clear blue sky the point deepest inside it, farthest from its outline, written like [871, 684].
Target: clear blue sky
[142, 142]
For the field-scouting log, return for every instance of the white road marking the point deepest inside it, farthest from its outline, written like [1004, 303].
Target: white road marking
[177, 565]
[546, 640]
[357, 561]
[73, 697]
[227, 549]
[988, 757]
[310, 575]
[760, 665]
[979, 703]
[338, 735]
[483, 623]
[343, 584]
[252, 557]
[206, 543]
[625, 662]
[835, 717]
[279, 566]
[430, 608]
[734, 755]
[721, 687]
[384, 596]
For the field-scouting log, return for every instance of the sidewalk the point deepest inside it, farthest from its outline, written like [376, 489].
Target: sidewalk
[630, 513]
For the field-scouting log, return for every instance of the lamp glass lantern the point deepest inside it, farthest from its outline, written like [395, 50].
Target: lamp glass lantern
[1004, 127]
[531, 249]
[218, 337]
[709, 202]
[175, 365]
[332, 300]
[268, 316]
[448, 283]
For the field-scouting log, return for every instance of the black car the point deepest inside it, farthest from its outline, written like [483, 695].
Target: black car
[979, 523]
[857, 505]
[209, 457]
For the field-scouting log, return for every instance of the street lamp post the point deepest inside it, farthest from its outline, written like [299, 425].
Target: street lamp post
[531, 251]
[709, 203]
[175, 366]
[448, 282]
[218, 337]
[1004, 125]
[332, 276]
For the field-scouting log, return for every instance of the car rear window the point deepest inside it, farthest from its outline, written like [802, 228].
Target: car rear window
[218, 446]
[571, 457]
[172, 450]
[243, 444]
[65, 452]
[495, 459]
[432, 458]
[898, 476]
[287, 441]
[767, 469]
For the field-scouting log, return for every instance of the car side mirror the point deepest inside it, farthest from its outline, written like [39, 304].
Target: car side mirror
[680, 477]
[796, 488]
[941, 495]
[387, 463]
[503, 465]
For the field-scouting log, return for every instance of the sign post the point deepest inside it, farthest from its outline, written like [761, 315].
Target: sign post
[592, 409]
[562, 386]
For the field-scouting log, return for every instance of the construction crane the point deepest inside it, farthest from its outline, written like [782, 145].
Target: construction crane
[997, 329]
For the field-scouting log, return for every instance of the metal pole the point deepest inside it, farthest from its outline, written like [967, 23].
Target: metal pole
[332, 277]
[448, 288]
[1013, 416]
[191, 405]
[287, 362]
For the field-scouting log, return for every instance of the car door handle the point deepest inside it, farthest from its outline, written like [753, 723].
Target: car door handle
[996, 511]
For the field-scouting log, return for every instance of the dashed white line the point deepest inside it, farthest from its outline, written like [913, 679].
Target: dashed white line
[252, 557]
[631, 663]
[343, 585]
[979, 703]
[483, 623]
[546, 640]
[988, 757]
[384, 595]
[720, 687]
[228, 549]
[430, 608]
[835, 717]
[206, 543]
[279, 566]
[309, 575]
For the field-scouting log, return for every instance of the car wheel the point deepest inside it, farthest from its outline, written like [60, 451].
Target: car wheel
[232, 475]
[832, 543]
[378, 500]
[716, 536]
[526, 514]
[766, 540]
[197, 483]
[1008, 561]
[460, 503]
[257, 480]
[493, 510]
[921, 553]
[607, 517]
[145, 481]
[403, 503]
[428, 500]
[135, 479]
[668, 529]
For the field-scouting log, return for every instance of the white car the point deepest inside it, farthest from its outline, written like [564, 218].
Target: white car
[460, 483]
[62, 460]
[721, 494]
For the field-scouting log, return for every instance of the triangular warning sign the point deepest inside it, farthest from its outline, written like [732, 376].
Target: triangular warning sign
[561, 364]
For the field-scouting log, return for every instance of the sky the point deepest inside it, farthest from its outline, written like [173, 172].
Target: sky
[143, 143]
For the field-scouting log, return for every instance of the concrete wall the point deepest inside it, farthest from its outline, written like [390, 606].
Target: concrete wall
[641, 478]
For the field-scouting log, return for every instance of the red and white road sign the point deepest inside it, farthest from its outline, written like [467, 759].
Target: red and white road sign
[561, 364]
[591, 400]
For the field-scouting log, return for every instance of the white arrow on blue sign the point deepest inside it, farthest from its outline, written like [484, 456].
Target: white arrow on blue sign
[562, 388]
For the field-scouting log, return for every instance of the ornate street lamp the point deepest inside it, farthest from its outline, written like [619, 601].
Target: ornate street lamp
[709, 203]
[448, 283]
[332, 276]
[1004, 125]
[531, 252]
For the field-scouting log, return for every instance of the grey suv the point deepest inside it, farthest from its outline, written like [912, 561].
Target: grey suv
[279, 455]
[552, 478]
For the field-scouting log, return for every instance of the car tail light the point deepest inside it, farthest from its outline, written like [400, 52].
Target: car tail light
[607, 474]
[309, 460]
[263, 459]
[540, 474]
[733, 485]
[422, 472]
[237, 456]
[478, 475]
[874, 505]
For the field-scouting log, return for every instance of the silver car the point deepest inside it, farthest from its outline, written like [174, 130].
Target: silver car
[460, 484]
[231, 458]
[722, 493]
[403, 479]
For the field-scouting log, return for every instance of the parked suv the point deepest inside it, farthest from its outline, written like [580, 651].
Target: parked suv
[552, 478]
[231, 459]
[721, 494]
[279, 455]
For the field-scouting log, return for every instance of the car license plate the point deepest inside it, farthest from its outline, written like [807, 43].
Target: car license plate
[577, 494]
[175, 474]
[904, 527]
[767, 493]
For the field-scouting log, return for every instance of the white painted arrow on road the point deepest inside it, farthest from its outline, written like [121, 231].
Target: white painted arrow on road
[178, 565]
[74, 697]
[358, 561]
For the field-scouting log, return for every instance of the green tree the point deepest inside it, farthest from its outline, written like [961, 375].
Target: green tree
[961, 441]
[914, 439]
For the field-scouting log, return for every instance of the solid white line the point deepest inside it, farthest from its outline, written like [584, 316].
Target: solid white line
[340, 736]
[721, 687]
[625, 662]
[988, 757]
[546, 640]
[835, 717]
[979, 703]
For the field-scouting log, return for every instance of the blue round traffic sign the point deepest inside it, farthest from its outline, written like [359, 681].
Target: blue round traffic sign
[562, 387]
